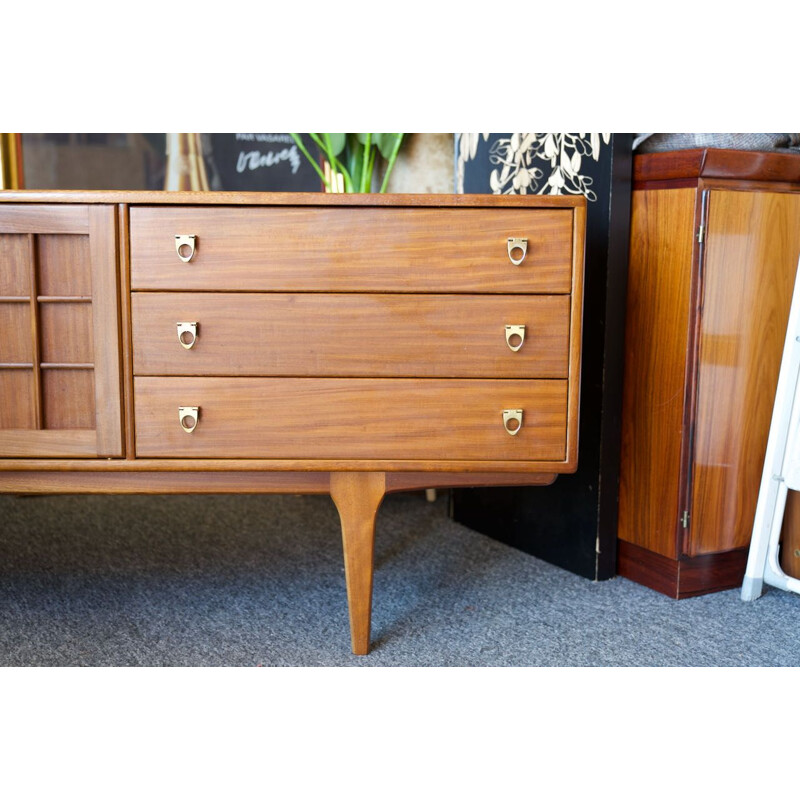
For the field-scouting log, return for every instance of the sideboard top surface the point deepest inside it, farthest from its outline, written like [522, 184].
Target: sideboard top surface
[291, 199]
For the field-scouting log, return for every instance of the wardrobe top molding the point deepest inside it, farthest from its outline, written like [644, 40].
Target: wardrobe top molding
[291, 199]
[715, 164]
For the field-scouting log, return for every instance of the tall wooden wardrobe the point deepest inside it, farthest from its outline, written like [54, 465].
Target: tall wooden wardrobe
[715, 241]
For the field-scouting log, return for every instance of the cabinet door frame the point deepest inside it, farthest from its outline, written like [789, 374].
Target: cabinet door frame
[105, 439]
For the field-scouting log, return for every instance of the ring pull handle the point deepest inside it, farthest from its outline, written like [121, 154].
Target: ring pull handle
[188, 416]
[511, 332]
[185, 240]
[517, 244]
[512, 420]
[187, 334]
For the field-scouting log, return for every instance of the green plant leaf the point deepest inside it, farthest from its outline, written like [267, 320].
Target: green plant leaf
[354, 156]
[386, 142]
[363, 186]
[398, 140]
[337, 141]
[299, 142]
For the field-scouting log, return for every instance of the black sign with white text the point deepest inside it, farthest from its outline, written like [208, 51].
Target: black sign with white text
[259, 162]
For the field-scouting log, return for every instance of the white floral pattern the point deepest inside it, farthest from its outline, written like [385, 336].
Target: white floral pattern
[535, 163]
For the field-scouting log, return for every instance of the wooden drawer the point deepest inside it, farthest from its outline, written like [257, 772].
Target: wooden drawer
[370, 335]
[353, 418]
[352, 249]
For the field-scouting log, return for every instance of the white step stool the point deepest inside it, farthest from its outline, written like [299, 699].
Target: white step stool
[781, 468]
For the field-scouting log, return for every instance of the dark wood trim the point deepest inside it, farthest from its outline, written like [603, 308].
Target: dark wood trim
[725, 164]
[680, 183]
[714, 572]
[648, 568]
[674, 165]
[684, 577]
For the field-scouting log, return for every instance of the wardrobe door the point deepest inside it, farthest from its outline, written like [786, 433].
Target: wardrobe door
[752, 248]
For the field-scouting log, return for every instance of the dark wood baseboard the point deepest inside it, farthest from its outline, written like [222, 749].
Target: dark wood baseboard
[686, 577]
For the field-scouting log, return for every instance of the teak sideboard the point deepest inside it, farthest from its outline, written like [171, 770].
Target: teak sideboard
[244, 342]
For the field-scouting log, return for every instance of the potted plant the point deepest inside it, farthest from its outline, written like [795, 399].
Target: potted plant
[350, 158]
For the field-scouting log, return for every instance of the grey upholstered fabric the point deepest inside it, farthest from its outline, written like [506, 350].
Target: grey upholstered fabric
[662, 142]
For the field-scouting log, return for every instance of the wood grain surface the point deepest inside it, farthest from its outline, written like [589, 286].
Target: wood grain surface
[790, 536]
[105, 318]
[16, 346]
[376, 335]
[311, 199]
[63, 330]
[15, 271]
[376, 360]
[357, 496]
[717, 163]
[352, 249]
[657, 329]
[64, 265]
[211, 480]
[46, 219]
[750, 264]
[683, 577]
[48, 444]
[66, 332]
[351, 418]
[69, 399]
[16, 401]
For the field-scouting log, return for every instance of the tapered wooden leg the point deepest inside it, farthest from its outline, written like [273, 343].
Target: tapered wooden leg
[357, 496]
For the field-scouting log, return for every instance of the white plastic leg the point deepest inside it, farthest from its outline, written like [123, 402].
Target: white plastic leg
[769, 515]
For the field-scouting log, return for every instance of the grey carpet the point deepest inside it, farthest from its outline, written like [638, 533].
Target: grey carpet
[258, 580]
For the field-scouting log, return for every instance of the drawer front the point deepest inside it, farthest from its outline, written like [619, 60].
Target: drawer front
[352, 249]
[370, 335]
[351, 418]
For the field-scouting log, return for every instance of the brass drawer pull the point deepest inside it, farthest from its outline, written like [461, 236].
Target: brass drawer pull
[187, 334]
[185, 240]
[515, 330]
[189, 416]
[510, 417]
[517, 244]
